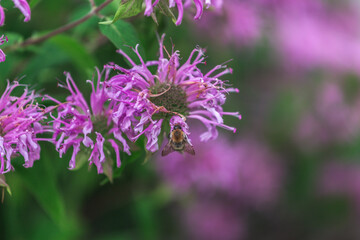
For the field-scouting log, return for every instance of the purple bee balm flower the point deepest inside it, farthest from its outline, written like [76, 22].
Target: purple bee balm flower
[341, 178]
[22, 5]
[313, 130]
[180, 4]
[245, 169]
[3, 39]
[144, 102]
[213, 220]
[19, 125]
[238, 22]
[88, 128]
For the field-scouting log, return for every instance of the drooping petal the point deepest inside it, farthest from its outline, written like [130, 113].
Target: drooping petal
[24, 7]
[2, 56]
[2, 16]
[72, 163]
[152, 136]
[180, 12]
[117, 152]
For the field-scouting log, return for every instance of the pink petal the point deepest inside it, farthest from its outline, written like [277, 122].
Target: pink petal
[2, 16]
[24, 7]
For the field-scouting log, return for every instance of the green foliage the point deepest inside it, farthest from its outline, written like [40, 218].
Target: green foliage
[124, 36]
[33, 3]
[41, 181]
[75, 51]
[126, 9]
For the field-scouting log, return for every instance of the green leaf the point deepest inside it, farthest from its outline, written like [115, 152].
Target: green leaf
[75, 50]
[126, 9]
[122, 35]
[33, 3]
[41, 181]
[56, 52]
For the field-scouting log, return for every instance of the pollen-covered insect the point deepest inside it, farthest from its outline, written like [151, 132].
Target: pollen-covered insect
[178, 141]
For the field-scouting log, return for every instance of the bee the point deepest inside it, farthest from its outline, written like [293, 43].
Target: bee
[178, 141]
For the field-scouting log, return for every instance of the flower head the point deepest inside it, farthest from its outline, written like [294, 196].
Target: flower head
[238, 23]
[85, 127]
[213, 220]
[19, 125]
[313, 128]
[3, 39]
[144, 102]
[341, 178]
[246, 169]
[22, 5]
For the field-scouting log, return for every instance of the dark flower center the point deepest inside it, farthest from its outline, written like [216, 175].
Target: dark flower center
[100, 125]
[172, 97]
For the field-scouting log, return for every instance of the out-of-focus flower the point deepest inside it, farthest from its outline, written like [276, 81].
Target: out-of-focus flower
[19, 125]
[300, 33]
[2, 16]
[238, 22]
[212, 221]
[341, 179]
[88, 129]
[333, 118]
[144, 102]
[3, 39]
[22, 5]
[297, 30]
[180, 4]
[246, 170]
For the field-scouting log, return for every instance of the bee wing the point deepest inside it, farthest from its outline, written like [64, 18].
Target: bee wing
[167, 149]
[189, 148]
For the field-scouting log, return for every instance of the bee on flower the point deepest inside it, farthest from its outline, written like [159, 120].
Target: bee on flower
[147, 103]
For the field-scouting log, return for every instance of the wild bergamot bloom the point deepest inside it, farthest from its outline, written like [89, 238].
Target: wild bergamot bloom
[146, 103]
[22, 5]
[20, 124]
[88, 129]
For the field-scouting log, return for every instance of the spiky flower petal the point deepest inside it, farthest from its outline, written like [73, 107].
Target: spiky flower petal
[145, 101]
[20, 119]
[87, 128]
[3, 39]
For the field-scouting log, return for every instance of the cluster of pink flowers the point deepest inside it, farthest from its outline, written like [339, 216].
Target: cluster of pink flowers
[226, 179]
[297, 29]
[238, 22]
[244, 169]
[332, 119]
[77, 124]
[341, 178]
[131, 103]
[213, 220]
[21, 120]
[143, 101]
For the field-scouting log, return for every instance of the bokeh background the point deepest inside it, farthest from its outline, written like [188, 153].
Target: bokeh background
[291, 171]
